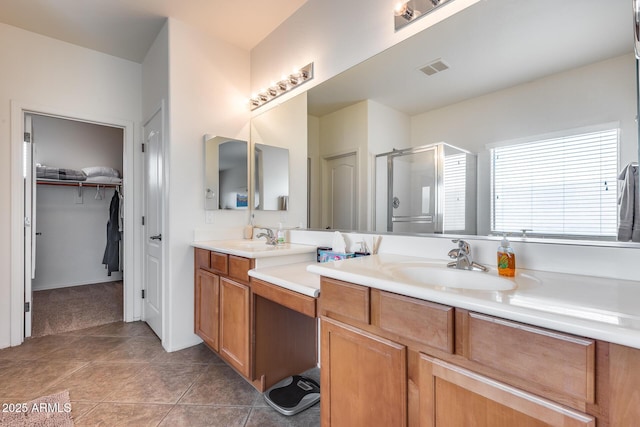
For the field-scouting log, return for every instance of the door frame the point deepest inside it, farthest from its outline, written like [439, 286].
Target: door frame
[163, 226]
[131, 228]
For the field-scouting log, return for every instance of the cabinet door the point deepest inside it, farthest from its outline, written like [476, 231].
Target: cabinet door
[451, 396]
[206, 307]
[234, 324]
[364, 378]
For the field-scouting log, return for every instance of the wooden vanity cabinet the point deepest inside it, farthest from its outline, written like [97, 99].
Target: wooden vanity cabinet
[222, 306]
[452, 396]
[234, 324]
[411, 362]
[364, 378]
[207, 297]
[265, 332]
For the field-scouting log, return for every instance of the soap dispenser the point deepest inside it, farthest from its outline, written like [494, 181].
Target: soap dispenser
[506, 259]
[280, 235]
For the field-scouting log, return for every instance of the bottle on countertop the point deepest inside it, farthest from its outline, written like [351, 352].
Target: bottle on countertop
[280, 234]
[248, 229]
[363, 251]
[506, 259]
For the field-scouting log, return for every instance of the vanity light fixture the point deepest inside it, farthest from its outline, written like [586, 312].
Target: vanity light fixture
[407, 11]
[284, 85]
[404, 10]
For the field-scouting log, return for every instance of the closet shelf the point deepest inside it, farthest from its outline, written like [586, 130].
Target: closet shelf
[77, 183]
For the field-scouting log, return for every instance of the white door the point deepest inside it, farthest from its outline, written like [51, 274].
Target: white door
[29, 174]
[152, 286]
[340, 182]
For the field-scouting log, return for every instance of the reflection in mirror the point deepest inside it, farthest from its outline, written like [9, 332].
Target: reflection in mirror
[271, 186]
[534, 76]
[226, 173]
[428, 189]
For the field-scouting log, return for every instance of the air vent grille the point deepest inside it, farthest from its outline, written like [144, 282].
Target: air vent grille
[434, 67]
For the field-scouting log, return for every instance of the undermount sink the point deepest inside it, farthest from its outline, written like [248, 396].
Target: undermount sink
[435, 274]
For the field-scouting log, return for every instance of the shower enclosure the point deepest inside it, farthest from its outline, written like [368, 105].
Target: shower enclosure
[427, 189]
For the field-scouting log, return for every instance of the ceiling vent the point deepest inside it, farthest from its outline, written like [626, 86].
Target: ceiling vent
[434, 67]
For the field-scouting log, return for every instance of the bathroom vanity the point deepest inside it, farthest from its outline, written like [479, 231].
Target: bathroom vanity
[264, 331]
[401, 351]
[406, 341]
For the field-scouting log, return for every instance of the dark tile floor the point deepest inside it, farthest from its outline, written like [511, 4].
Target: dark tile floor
[119, 375]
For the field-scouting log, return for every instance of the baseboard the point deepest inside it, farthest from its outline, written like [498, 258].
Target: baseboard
[113, 278]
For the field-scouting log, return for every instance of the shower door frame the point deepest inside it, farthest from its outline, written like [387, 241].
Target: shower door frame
[438, 217]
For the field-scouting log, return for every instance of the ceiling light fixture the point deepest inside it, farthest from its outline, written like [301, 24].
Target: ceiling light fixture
[284, 85]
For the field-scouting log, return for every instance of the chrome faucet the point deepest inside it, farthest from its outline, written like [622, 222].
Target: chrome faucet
[271, 238]
[462, 256]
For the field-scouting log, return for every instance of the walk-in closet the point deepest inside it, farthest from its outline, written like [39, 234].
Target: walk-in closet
[77, 224]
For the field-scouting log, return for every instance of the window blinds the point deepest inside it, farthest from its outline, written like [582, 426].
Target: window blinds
[454, 177]
[563, 186]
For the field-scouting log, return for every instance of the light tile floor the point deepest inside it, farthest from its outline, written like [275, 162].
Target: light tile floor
[119, 375]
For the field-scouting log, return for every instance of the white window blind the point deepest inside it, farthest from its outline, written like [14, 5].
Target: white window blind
[454, 176]
[562, 186]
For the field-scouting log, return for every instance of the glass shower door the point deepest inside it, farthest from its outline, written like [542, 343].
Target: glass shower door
[414, 178]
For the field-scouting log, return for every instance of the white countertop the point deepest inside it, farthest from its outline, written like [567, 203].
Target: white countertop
[253, 248]
[598, 308]
[294, 277]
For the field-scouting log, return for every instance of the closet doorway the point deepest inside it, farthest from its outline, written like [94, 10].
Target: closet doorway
[74, 243]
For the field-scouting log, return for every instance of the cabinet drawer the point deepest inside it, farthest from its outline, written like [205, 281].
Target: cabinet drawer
[344, 299]
[293, 300]
[219, 262]
[422, 321]
[548, 360]
[202, 259]
[239, 268]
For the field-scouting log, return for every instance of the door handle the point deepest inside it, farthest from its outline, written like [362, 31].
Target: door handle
[156, 237]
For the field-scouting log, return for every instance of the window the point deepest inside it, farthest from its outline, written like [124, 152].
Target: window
[563, 186]
[454, 176]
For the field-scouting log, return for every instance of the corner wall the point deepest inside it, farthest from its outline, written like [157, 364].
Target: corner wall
[41, 71]
[208, 87]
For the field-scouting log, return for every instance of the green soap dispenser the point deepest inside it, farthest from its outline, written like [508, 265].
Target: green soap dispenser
[506, 259]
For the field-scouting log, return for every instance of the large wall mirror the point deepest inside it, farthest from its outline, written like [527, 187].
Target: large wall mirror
[226, 173]
[505, 83]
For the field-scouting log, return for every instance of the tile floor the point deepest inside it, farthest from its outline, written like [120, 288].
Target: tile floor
[119, 375]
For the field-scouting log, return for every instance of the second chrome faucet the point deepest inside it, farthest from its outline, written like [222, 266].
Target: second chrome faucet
[462, 257]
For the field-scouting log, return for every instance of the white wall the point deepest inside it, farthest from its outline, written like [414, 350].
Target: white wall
[595, 94]
[285, 126]
[208, 87]
[40, 71]
[233, 181]
[69, 251]
[366, 128]
[388, 129]
[323, 32]
[72, 144]
[275, 179]
[155, 94]
[313, 153]
[342, 132]
[73, 235]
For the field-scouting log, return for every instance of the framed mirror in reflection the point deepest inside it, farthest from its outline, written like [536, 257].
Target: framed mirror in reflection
[226, 173]
[271, 174]
[542, 94]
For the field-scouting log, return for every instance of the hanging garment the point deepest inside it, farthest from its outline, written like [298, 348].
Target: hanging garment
[629, 223]
[111, 258]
